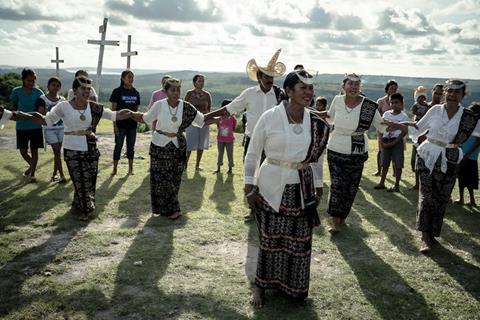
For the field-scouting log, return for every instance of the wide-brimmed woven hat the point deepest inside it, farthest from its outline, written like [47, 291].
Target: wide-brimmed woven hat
[274, 68]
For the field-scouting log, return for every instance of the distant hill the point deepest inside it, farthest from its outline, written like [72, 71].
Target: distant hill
[229, 85]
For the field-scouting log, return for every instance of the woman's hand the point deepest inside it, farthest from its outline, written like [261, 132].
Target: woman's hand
[251, 194]
[124, 114]
[318, 195]
[115, 128]
[137, 116]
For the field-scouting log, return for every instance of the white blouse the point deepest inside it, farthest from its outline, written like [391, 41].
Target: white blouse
[162, 113]
[72, 122]
[440, 129]
[345, 121]
[7, 115]
[256, 102]
[274, 135]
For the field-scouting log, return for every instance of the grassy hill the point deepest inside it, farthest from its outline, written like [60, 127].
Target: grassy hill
[229, 85]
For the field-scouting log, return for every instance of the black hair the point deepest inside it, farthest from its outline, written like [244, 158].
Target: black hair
[27, 72]
[225, 102]
[323, 100]
[397, 96]
[77, 82]
[438, 85]
[259, 74]
[54, 79]
[123, 75]
[292, 79]
[80, 72]
[475, 107]
[169, 82]
[298, 67]
[389, 84]
[195, 77]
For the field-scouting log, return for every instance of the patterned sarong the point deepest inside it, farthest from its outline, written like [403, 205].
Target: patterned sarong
[345, 174]
[285, 245]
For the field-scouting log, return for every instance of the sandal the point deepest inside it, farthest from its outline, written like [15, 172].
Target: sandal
[393, 189]
[62, 180]
[379, 187]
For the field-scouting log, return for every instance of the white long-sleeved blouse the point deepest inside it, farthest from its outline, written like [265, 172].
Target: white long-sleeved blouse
[345, 121]
[162, 113]
[441, 130]
[274, 135]
[72, 122]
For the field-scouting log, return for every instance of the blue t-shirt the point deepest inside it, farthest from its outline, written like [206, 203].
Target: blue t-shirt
[467, 145]
[26, 103]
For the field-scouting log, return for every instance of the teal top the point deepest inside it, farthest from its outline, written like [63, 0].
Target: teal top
[26, 103]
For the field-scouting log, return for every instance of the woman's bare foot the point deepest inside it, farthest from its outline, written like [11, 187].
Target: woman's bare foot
[114, 172]
[472, 204]
[27, 172]
[458, 201]
[176, 215]
[130, 173]
[258, 297]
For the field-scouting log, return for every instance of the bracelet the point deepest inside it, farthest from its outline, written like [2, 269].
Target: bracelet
[251, 193]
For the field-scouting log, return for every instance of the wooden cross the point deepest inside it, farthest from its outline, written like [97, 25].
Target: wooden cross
[103, 30]
[57, 61]
[129, 53]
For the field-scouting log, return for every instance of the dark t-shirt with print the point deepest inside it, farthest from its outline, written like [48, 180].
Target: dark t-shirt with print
[126, 99]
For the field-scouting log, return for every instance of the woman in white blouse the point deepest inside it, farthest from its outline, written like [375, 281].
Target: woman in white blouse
[447, 126]
[352, 115]
[168, 148]
[289, 184]
[80, 117]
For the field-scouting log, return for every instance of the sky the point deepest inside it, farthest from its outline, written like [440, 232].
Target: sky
[403, 38]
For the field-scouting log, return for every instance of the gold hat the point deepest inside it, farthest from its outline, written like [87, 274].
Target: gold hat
[273, 68]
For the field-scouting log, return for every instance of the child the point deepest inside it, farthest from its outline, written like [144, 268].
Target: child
[419, 109]
[225, 138]
[468, 171]
[392, 143]
[54, 133]
[321, 103]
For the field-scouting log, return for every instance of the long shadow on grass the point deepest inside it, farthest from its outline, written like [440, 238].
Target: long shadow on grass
[397, 233]
[466, 274]
[33, 260]
[139, 290]
[191, 192]
[223, 193]
[137, 203]
[381, 285]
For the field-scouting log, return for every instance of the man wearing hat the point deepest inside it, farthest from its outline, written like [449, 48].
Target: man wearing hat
[257, 99]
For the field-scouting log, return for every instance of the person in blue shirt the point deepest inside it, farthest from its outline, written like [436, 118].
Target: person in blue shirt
[24, 99]
[468, 170]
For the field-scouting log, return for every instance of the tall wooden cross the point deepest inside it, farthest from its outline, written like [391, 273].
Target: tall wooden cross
[103, 30]
[129, 53]
[57, 61]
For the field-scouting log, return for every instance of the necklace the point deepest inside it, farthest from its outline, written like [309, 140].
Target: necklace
[82, 114]
[348, 109]
[297, 126]
[173, 114]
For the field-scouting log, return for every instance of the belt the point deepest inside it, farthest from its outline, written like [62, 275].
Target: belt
[168, 134]
[443, 144]
[78, 133]
[286, 164]
[357, 133]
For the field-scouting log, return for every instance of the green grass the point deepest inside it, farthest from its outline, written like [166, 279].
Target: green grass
[54, 267]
